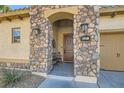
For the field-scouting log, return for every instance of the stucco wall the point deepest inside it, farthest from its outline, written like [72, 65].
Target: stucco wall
[55, 37]
[107, 23]
[11, 50]
[14, 51]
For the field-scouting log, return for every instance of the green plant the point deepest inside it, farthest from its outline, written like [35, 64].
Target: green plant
[5, 8]
[11, 77]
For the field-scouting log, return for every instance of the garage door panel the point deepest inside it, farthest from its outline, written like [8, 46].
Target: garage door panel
[120, 51]
[112, 52]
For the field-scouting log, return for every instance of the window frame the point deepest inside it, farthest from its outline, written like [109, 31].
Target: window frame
[13, 35]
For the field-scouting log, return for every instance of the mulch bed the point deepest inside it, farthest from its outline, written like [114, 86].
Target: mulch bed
[29, 81]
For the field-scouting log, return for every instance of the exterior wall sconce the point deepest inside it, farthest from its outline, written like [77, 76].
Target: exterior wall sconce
[84, 28]
[37, 30]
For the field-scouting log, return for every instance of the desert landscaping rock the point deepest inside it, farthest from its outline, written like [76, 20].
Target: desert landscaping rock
[28, 81]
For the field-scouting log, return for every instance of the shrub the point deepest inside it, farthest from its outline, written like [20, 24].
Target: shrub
[11, 77]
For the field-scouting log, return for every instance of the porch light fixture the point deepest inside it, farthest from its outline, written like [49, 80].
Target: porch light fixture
[37, 30]
[84, 27]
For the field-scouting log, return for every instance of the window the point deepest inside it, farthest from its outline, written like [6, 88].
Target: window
[16, 35]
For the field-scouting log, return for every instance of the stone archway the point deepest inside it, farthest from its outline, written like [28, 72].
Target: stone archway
[86, 54]
[60, 16]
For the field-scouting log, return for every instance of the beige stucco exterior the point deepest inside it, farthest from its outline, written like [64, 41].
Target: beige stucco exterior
[19, 52]
[14, 52]
[108, 24]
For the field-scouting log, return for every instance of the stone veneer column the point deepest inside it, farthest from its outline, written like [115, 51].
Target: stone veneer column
[40, 42]
[86, 53]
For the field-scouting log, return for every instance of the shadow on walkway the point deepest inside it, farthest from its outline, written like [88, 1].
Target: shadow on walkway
[111, 79]
[63, 69]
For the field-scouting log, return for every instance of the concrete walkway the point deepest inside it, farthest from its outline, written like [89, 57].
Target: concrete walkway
[111, 79]
[56, 83]
[63, 69]
[62, 76]
[107, 79]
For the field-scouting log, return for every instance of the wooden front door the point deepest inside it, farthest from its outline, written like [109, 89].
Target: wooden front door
[68, 47]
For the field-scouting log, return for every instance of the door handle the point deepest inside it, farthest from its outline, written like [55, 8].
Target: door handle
[118, 55]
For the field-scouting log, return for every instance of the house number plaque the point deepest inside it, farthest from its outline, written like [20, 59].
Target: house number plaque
[85, 38]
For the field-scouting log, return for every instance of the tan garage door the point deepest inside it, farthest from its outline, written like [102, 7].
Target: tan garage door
[112, 51]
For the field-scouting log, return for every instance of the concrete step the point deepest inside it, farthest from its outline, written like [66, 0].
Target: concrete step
[60, 77]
